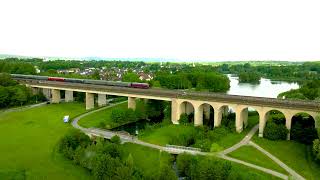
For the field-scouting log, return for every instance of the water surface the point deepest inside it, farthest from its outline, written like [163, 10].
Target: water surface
[266, 88]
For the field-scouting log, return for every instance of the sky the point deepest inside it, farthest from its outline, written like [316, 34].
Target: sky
[222, 30]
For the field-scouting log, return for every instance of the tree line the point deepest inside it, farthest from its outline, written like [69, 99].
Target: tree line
[210, 81]
[14, 94]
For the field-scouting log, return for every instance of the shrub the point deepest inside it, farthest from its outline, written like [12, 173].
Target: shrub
[275, 131]
[210, 168]
[215, 147]
[123, 115]
[184, 161]
[203, 144]
[185, 138]
[71, 141]
[167, 173]
[303, 129]
[316, 147]
[218, 133]
[184, 119]
[115, 139]
[118, 115]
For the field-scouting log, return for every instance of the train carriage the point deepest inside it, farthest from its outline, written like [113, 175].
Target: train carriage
[84, 81]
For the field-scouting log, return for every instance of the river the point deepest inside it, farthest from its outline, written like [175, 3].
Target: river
[266, 88]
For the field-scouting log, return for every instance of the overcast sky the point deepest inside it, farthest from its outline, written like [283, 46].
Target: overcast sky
[207, 30]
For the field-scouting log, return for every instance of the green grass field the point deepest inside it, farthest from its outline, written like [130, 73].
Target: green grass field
[28, 141]
[147, 159]
[163, 135]
[249, 173]
[297, 156]
[254, 156]
[95, 119]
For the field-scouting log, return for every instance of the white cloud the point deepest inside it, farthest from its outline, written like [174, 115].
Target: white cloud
[212, 30]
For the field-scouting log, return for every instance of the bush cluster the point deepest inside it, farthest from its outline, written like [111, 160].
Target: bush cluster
[303, 129]
[316, 150]
[123, 115]
[275, 128]
[275, 131]
[13, 94]
[196, 167]
[104, 159]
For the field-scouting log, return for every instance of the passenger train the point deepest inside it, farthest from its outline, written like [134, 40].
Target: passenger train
[83, 81]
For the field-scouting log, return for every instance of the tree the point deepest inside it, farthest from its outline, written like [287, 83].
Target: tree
[155, 110]
[303, 129]
[6, 80]
[184, 162]
[316, 149]
[249, 77]
[275, 131]
[105, 167]
[4, 97]
[210, 168]
[96, 75]
[130, 77]
[184, 119]
[115, 139]
[71, 141]
[167, 173]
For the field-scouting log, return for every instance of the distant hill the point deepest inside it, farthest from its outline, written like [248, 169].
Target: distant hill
[217, 62]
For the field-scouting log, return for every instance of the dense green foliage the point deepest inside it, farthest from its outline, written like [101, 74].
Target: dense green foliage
[13, 94]
[104, 159]
[310, 90]
[275, 131]
[152, 110]
[16, 67]
[249, 77]
[205, 167]
[121, 116]
[286, 71]
[71, 141]
[316, 150]
[195, 167]
[303, 129]
[275, 127]
[130, 77]
[211, 81]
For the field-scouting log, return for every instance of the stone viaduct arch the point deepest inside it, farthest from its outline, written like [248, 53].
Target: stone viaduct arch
[199, 103]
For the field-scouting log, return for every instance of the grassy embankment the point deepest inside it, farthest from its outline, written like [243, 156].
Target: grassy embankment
[296, 155]
[252, 155]
[147, 159]
[103, 116]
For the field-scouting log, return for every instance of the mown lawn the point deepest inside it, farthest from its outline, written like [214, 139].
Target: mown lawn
[28, 141]
[163, 135]
[147, 159]
[103, 116]
[252, 155]
[249, 173]
[296, 155]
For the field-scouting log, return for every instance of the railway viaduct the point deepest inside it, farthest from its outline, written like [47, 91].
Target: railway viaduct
[199, 103]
